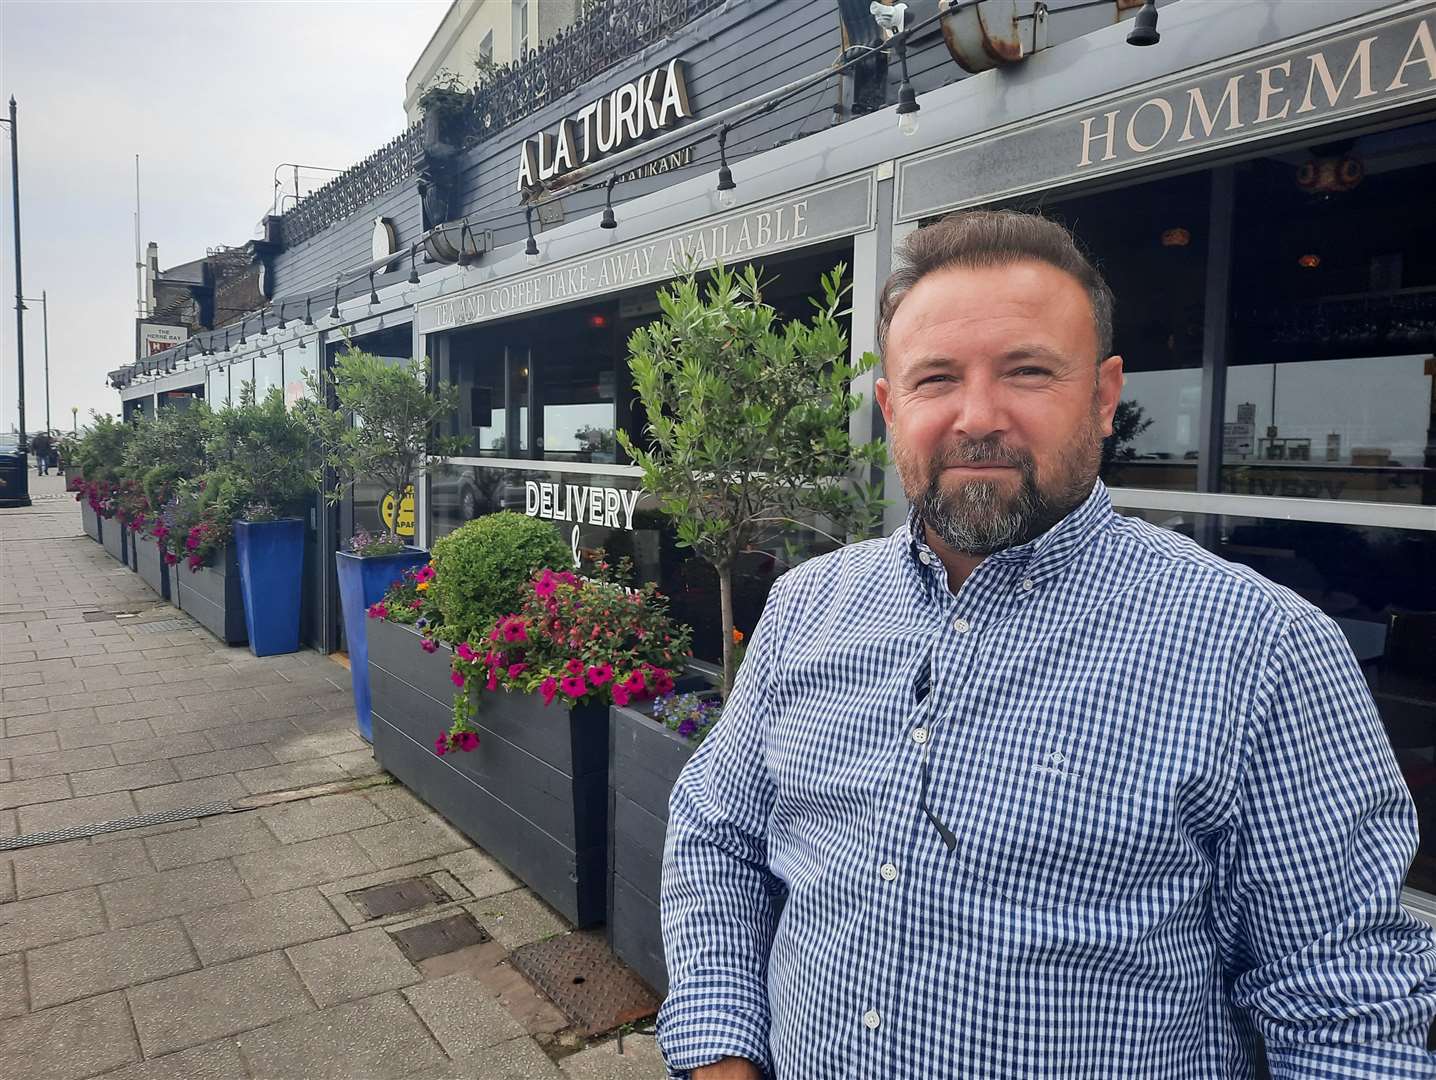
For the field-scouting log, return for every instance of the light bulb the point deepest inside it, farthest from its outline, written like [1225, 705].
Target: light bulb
[727, 199]
[533, 258]
[907, 123]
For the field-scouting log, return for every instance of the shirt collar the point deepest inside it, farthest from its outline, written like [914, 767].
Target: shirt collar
[1040, 558]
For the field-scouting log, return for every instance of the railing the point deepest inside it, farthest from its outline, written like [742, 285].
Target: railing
[606, 33]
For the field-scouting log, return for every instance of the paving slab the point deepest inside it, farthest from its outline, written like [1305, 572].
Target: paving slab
[40, 790]
[249, 732]
[398, 802]
[211, 789]
[324, 744]
[167, 746]
[463, 1015]
[124, 777]
[358, 763]
[68, 813]
[105, 734]
[352, 966]
[518, 1059]
[262, 925]
[174, 892]
[291, 776]
[377, 1037]
[220, 1060]
[637, 1057]
[517, 918]
[68, 1042]
[224, 761]
[53, 868]
[479, 873]
[313, 862]
[38, 743]
[217, 837]
[13, 1001]
[200, 1006]
[410, 840]
[308, 819]
[63, 761]
[84, 967]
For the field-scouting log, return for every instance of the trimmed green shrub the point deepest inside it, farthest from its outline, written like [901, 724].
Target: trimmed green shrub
[482, 566]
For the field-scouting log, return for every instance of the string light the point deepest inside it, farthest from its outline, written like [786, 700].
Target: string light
[609, 221]
[531, 249]
[726, 198]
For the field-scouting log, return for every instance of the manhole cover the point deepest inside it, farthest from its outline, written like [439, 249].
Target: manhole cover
[410, 894]
[439, 937]
[586, 981]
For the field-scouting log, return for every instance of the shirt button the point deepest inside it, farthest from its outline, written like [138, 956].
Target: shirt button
[924, 558]
[888, 871]
[871, 1019]
[962, 626]
[1027, 584]
[919, 735]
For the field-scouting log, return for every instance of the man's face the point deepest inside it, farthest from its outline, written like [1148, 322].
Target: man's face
[995, 405]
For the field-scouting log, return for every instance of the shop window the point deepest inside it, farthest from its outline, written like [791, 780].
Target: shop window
[216, 386]
[1378, 586]
[299, 361]
[1150, 242]
[1330, 380]
[268, 373]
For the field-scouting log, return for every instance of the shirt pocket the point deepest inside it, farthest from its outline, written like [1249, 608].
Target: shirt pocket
[1046, 836]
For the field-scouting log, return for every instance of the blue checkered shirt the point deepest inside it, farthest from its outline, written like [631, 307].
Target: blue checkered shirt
[1164, 813]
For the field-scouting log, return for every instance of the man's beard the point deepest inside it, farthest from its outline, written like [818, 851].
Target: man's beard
[977, 519]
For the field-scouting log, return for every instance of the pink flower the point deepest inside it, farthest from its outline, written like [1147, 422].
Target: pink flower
[620, 695]
[601, 674]
[441, 745]
[548, 689]
[457, 678]
[468, 740]
[491, 658]
[574, 666]
[425, 573]
[567, 578]
[574, 686]
[416, 605]
[429, 644]
[663, 683]
[494, 636]
[379, 610]
[515, 670]
[171, 558]
[545, 585]
[514, 631]
[493, 681]
[465, 653]
[635, 683]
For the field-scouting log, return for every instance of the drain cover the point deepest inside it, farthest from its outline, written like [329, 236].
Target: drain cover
[439, 937]
[98, 616]
[162, 625]
[586, 981]
[410, 894]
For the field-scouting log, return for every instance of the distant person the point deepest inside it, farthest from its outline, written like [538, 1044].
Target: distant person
[1042, 792]
[42, 446]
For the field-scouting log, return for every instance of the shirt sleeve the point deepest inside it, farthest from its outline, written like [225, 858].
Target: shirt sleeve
[1339, 978]
[718, 908]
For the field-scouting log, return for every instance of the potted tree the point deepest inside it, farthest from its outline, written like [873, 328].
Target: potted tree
[747, 437]
[164, 449]
[379, 427]
[101, 456]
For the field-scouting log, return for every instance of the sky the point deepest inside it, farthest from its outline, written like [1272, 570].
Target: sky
[212, 95]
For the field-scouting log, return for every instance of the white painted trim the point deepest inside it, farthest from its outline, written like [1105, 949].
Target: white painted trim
[1329, 511]
[590, 468]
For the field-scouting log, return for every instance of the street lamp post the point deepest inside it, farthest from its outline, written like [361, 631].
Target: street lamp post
[45, 313]
[74, 419]
[20, 496]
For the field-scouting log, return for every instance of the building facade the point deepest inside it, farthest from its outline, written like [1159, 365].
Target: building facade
[1256, 188]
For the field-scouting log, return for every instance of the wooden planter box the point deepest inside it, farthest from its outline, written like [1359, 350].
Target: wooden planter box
[534, 794]
[150, 563]
[116, 539]
[211, 596]
[644, 763]
[93, 523]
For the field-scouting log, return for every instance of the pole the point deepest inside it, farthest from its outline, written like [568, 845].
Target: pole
[74, 419]
[45, 312]
[139, 259]
[19, 290]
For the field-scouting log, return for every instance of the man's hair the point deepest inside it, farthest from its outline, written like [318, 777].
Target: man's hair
[982, 238]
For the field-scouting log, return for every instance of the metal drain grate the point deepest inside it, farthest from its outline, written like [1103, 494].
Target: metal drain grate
[78, 832]
[586, 981]
[439, 937]
[163, 625]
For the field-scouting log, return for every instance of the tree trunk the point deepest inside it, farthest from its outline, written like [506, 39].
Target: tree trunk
[725, 591]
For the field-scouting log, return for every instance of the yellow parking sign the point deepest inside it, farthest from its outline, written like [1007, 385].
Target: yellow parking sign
[405, 524]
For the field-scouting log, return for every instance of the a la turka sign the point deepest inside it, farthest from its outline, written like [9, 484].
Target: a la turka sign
[635, 111]
[822, 213]
[1346, 74]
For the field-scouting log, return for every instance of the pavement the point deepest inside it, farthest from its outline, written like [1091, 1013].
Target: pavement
[221, 946]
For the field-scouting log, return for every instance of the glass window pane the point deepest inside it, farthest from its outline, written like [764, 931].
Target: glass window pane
[1380, 586]
[268, 373]
[1150, 242]
[216, 386]
[1330, 380]
[476, 367]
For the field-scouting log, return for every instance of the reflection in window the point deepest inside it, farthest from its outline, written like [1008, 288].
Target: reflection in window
[216, 386]
[268, 373]
[1329, 384]
[1379, 586]
[1150, 243]
[578, 405]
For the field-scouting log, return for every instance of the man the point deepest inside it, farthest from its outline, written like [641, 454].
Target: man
[40, 447]
[1048, 792]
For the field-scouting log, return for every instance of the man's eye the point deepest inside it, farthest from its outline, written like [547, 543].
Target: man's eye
[1031, 371]
[935, 378]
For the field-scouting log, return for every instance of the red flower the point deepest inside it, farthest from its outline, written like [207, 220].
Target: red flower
[515, 670]
[620, 695]
[514, 631]
[468, 740]
[429, 645]
[545, 585]
[574, 686]
[574, 666]
[457, 678]
[465, 653]
[635, 683]
[441, 745]
[548, 689]
[601, 674]
[493, 682]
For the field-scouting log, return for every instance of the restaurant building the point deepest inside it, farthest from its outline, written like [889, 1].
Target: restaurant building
[1257, 187]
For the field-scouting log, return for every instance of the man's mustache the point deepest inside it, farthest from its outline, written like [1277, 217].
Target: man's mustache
[981, 452]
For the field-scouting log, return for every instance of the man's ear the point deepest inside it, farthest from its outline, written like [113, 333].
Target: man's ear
[1109, 390]
[882, 390]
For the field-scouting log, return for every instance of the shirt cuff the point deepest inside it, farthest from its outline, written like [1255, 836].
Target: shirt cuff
[711, 1017]
[1393, 1061]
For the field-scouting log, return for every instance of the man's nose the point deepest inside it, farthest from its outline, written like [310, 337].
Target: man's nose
[981, 409]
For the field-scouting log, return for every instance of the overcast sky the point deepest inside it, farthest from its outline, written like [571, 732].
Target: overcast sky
[212, 94]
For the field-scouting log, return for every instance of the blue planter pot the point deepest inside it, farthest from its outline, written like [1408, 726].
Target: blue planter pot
[362, 582]
[271, 567]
